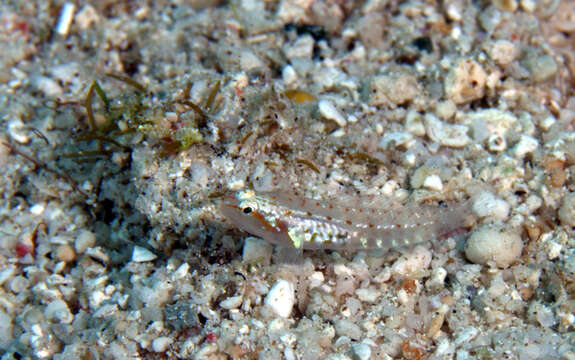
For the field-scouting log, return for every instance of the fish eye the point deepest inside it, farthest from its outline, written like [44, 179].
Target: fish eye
[247, 210]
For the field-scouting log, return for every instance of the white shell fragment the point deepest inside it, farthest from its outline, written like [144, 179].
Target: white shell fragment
[503, 52]
[496, 143]
[281, 298]
[487, 204]
[433, 182]
[489, 122]
[416, 260]
[58, 312]
[289, 75]
[330, 112]
[397, 139]
[257, 251]
[232, 302]
[66, 18]
[452, 135]
[161, 343]
[526, 145]
[541, 315]
[497, 244]
[85, 239]
[361, 351]
[346, 327]
[465, 82]
[414, 123]
[393, 89]
[141, 254]
[250, 61]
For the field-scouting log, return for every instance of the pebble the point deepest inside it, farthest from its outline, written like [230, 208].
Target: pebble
[200, 174]
[567, 210]
[345, 327]
[232, 302]
[526, 145]
[5, 329]
[414, 123]
[326, 77]
[433, 182]
[371, 29]
[65, 253]
[301, 48]
[466, 335]
[18, 284]
[161, 343]
[541, 68]
[490, 122]
[487, 204]
[541, 314]
[451, 135]
[506, 5]
[453, 12]
[105, 311]
[330, 112]
[141, 254]
[4, 151]
[206, 351]
[437, 279]
[250, 61]
[361, 351]
[181, 271]
[568, 267]
[531, 204]
[369, 295]
[503, 52]
[289, 75]
[546, 123]
[85, 239]
[393, 89]
[465, 82]
[281, 298]
[417, 259]
[497, 244]
[337, 356]
[66, 17]
[6, 273]
[257, 251]
[552, 247]
[86, 17]
[58, 311]
[400, 139]
[496, 143]
[47, 85]
[445, 109]
[316, 279]
[99, 254]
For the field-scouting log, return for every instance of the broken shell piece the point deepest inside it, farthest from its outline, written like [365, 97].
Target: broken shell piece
[281, 298]
[496, 143]
[465, 82]
[452, 135]
[141, 254]
[330, 112]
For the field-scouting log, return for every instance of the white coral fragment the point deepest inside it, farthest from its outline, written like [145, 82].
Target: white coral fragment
[451, 135]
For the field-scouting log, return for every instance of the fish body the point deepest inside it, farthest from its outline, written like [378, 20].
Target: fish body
[301, 223]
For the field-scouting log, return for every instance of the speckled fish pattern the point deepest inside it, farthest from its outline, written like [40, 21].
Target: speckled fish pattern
[289, 220]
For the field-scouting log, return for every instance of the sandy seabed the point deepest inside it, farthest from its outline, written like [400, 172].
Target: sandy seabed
[127, 125]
